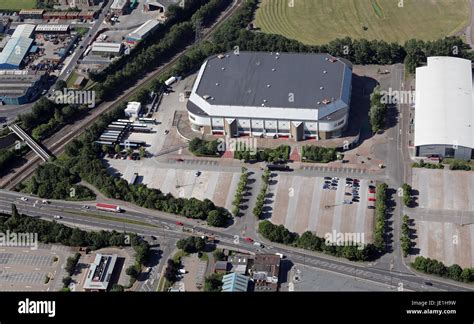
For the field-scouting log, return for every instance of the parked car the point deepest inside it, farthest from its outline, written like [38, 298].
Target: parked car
[179, 223]
[248, 239]
[371, 199]
[24, 199]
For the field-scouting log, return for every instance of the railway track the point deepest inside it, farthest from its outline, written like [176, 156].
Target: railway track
[56, 144]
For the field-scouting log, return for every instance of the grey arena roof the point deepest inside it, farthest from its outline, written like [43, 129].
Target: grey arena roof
[272, 79]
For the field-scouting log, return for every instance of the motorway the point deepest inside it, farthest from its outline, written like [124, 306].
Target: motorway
[150, 222]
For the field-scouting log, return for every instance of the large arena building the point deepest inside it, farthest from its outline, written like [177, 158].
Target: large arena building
[290, 95]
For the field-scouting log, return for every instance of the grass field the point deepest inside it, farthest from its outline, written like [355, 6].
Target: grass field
[320, 21]
[17, 4]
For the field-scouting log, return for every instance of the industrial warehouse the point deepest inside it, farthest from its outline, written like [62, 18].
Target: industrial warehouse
[289, 95]
[444, 112]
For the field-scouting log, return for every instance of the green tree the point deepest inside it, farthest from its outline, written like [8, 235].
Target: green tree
[213, 283]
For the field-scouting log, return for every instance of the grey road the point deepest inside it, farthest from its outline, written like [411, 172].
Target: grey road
[164, 225]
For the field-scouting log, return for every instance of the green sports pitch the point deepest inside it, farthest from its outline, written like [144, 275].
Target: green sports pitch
[320, 21]
[17, 4]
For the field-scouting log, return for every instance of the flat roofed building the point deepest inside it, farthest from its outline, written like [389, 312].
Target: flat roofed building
[133, 109]
[160, 6]
[119, 7]
[142, 32]
[444, 108]
[14, 53]
[106, 49]
[100, 272]
[235, 282]
[272, 94]
[31, 13]
[24, 30]
[50, 28]
[19, 87]
[239, 263]
[265, 272]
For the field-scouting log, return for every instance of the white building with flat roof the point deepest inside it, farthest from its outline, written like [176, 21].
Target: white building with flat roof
[143, 31]
[292, 95]
[133, 109]
[100, 272]
[444, 109]
[106, 49]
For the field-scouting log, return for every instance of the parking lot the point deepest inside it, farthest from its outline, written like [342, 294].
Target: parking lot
[315, 204]
[26, 270]
[444, 205]
[303, 278]
[193, 279]
[444, 189]
[218, 186]
[446, 242]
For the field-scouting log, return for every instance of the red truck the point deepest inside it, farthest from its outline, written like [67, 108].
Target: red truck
[108, 207]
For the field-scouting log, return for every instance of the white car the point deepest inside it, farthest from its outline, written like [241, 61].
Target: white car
[24, 199]
[45, 201]
[58, 217]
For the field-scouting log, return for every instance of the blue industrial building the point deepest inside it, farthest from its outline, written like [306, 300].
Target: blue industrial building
[14, 53]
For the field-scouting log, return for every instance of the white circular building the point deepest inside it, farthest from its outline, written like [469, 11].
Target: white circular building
[289, 95]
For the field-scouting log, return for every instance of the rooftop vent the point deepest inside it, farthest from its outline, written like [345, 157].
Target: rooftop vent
[263, 105]
[264, 100]
[206, 97]
[321, 88]
[217, 83]
[333, 59]
[326, 58]
[222, 68]
[273, 69]
[268, 85]
[326, 101]
[324, 72]
[258, 63]
[319, 102]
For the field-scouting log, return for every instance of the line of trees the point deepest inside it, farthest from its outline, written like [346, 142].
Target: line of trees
[407, 198]
[378, 110]
[200, 147]
[405, 241]
[53, 232]
[277, 154]
[454, 272]
[241, 190]
[258, 209]
[310, 241]
[192, 244]
[380, 216]
[53, 181]
[312, 153]
[359, 51]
